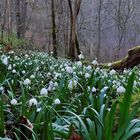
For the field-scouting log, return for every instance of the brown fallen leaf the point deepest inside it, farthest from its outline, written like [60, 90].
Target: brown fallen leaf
[75, 136]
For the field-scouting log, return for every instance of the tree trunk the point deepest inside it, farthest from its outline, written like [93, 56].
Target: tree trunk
[3, 23]
[130, 61]
[74, 43]
[99, 30]
[23, 12]
[54, 30]
[18, 19]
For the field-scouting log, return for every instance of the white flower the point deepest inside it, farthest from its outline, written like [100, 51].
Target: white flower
[38, 109]
[4, 60]
[105, 88]
[32, 102]
[51, 84]
[1, 88]
[49, 88]
[125, 71]
[79, 63]
[89, 68]
[27, 82]
[87, 75]
[94, 62]
[32, 76]
[112, 72]
[69, 69]
[44, 92]
[13, 102]
[13, 71]
[16, 58]
[57, 101]
[88, 88]
[109, 64]
[9, 67]
[49, 74]
[55, 84]
[72, 84]
[81, 56]
[23, 72]
[135, 83]
[11, 52]
[26, 55]
[94, 89]
[121, 89]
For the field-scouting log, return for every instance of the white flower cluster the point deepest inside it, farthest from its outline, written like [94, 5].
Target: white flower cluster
[72, 84]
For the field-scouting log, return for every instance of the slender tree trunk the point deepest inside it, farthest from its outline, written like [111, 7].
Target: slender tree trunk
[3, 23]
[23, 13]
[71, 46]
[54, 30]
[99, 30]
[9, 21]
[74, 43]
[18, 18]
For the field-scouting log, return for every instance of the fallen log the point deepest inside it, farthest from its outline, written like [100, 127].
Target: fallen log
[131, 60]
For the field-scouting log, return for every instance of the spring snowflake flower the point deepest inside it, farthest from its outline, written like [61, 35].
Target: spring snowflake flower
[112, 72]
[4, 60]
[44, 92]
[27, 82]
[125, 71]
[49, 88]
[81, 56]
[13, 102]
[105, 88]
[32, 102]
[1, 88]
[9, 67]
[56, 84]
[23, 72]
[79, 63]
[13, 71]
[38, 109]
[87, 75]
[109, 64]
[57, 101]
[121, 89]
[94, 89]
[72, 84]
[94, 62]
[88, 68]
[51, 84]
[69, 69]
[11, 52]
[32, 76]
[135, 83]
[88, 88]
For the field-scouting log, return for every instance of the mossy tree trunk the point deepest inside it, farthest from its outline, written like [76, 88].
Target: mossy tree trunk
[130, 61]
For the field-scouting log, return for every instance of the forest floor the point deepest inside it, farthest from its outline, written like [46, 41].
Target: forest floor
[47, 98]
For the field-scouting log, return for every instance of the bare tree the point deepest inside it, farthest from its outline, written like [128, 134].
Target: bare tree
[23, 13]
[99, 29]
[74, 44]
[4, 21]
[18, 18]
[54, 29]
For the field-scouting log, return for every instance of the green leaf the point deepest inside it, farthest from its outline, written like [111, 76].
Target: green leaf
[124, 108]
[109, 124]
